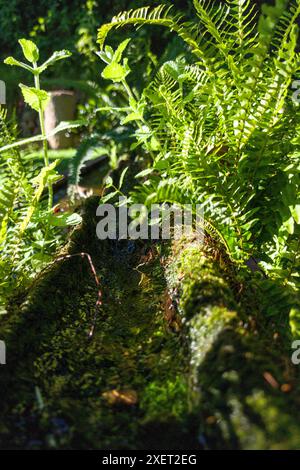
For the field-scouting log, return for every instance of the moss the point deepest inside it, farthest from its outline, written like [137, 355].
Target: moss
[132, 349]
[237, 369]
[200, 281]
[218, 382]
[204, 329]
[170, 396]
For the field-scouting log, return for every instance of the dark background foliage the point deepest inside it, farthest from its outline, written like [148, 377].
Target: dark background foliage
[58, 24]
[63, 24]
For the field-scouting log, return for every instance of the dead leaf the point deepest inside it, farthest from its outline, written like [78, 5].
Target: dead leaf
[117, 397]
[270, 379]
[285, 388]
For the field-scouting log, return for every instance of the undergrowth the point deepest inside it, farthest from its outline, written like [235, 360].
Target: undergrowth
[222, 130]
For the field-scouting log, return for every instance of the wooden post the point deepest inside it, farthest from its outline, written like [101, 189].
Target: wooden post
[61, 107]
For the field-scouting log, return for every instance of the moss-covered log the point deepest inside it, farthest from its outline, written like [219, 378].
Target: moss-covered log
[123, 388]
[243, 389]
[188, 363]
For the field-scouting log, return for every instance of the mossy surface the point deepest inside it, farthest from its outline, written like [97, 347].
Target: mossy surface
[124, 388]
[243, 387]
[180, 358]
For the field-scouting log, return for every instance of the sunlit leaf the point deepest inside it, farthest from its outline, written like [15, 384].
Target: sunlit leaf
[30, 50]
[66, 219]
[11, 61]
[58, 55]
[296, 213]
[119, 52]
[122, 177]
[62, 126]
[143, 173]
[115, 72]
[35, 98]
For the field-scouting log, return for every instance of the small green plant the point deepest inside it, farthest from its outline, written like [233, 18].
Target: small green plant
[28, 228]
[117, 70]
[35, 97]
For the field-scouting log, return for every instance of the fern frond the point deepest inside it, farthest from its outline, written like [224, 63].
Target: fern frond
[243, 22]
[228, 131]
[286, 24]
[159, 16]
[214, 17]
[8, 198]
[82, 155]
[40, 183]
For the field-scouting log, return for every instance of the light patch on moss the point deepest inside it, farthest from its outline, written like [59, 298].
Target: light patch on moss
[166, 399]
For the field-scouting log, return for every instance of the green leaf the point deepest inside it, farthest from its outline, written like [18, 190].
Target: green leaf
[58, 55]
[40, 182]
[154, 144]
[294, 320]
[117, 57]
[30, 50]
[66, 219]
[122, 177]
[109, 196]
[249, 224]
[115, 72]
[35, 98]
[109, 52]
[162, 164]
[62, 126]
[143, 173]
[135, 116]
[296, 213]
[289, 225]
[103, 56]
[108, 182]
[67, 125]
[11, 61]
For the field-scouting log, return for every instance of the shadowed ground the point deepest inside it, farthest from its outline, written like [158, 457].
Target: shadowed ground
[176, 360]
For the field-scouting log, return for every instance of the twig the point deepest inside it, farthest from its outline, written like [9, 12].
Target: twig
[99, 294]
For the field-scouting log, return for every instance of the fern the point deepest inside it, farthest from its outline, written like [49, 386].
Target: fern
[86, 147]
[160, 16]
[227, 129]
[22, 216]
[11, 179]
